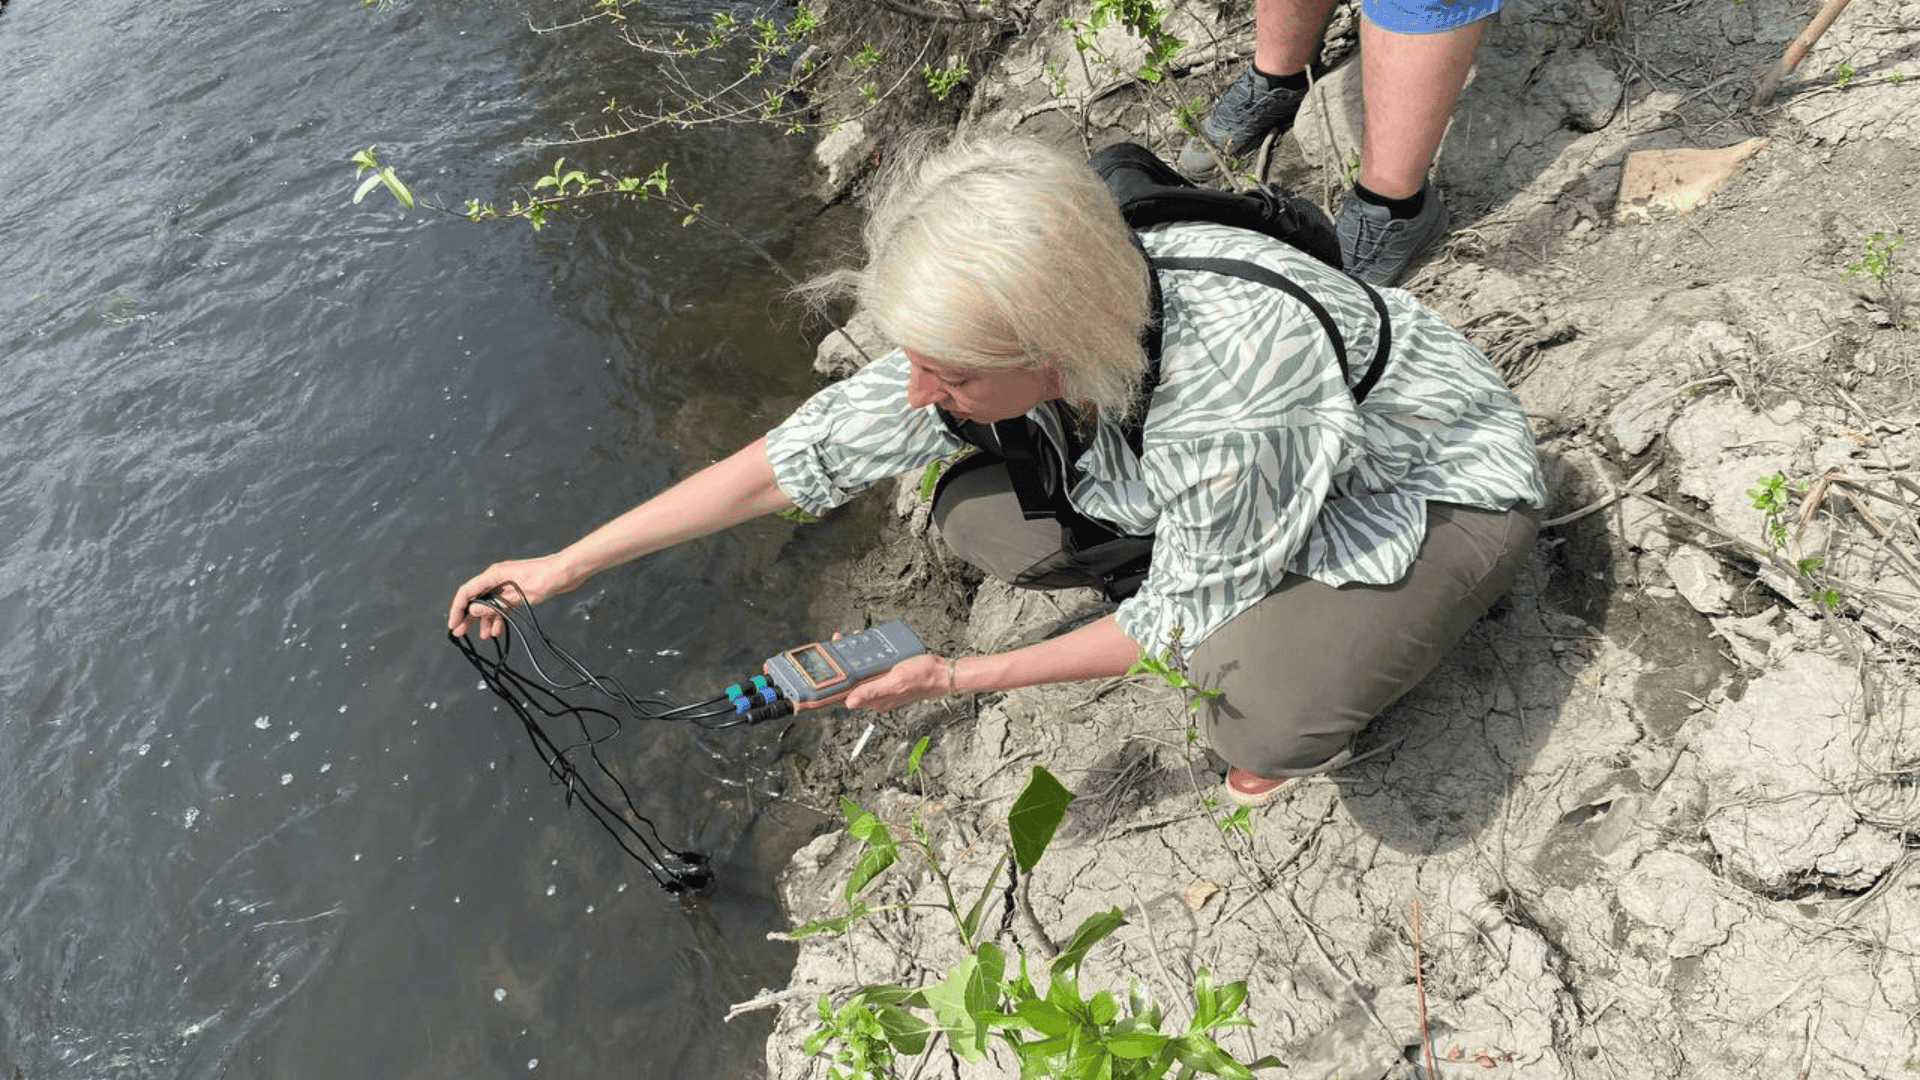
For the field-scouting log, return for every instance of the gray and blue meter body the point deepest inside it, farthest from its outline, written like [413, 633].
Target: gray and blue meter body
[821, 669]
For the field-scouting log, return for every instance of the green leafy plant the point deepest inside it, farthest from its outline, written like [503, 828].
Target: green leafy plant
[942, 81]
[1142, 19]
[1843, 75]
[1877, 265]
[1773, 498]
[1240, 821]
[1036, 1009]
[1170, 667]
[1770, 498]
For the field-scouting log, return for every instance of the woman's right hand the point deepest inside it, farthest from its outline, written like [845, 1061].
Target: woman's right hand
[525, 581]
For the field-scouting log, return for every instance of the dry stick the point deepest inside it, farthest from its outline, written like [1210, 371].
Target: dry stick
[1613, 496]
[1420, 993]
[1893, 544]
[1763, 93]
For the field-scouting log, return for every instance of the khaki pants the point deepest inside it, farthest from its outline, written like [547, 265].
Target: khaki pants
[1304, 669]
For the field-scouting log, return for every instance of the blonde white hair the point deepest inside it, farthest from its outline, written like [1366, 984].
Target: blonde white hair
[1007, 253]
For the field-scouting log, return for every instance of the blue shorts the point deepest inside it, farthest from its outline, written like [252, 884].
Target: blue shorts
[1426, 16]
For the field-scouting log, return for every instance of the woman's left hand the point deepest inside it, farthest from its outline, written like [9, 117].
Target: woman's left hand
[914, 679]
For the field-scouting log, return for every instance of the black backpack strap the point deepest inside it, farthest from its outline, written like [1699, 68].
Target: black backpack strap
[1151, 336]
[1260, 274]
[1016, 440]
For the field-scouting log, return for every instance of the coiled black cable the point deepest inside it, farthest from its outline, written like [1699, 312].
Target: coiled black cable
[673, 870]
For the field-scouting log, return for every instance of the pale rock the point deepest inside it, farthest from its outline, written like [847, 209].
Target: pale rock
[1675, 894]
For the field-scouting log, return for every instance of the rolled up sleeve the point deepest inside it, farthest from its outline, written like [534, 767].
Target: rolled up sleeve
[853, 434]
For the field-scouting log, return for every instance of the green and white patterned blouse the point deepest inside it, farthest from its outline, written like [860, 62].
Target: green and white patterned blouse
[1257, 462]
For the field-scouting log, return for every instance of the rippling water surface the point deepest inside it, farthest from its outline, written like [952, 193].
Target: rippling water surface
[256, 817]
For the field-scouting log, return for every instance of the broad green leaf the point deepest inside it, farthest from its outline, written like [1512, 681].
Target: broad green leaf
[1203, 1055]
[881, 852]
[1232, 996]
[913, 759]
[1045, 1018]
[993, 966]
[1036, 814]
[1102, 1008]
[962, 1003]
[1033, 1058]
[366, 186]
[1091, 931]
[906, 1032]
[1136, 1045]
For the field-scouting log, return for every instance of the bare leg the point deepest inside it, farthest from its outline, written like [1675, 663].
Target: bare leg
[1286, 38]
[1286, 33]
[1410, 83]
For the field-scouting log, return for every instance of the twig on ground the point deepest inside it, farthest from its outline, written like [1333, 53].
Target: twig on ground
[767, 999]
[1633, 487]
[1420, 993]
[1880, 530]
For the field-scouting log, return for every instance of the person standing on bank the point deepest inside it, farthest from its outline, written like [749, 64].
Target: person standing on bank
[1312, 557]
[1414, 59]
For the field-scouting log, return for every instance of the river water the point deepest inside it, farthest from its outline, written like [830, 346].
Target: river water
[257, 818]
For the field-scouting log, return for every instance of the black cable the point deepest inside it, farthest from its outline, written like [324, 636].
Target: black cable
[673, 870]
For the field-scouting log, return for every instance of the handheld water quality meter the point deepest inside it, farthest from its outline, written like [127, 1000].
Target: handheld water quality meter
[821, 669]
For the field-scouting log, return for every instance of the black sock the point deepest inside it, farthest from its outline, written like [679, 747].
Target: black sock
[1398, 209]
[1296, 81]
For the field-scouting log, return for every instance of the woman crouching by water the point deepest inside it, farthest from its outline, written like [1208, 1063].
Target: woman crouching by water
[1313, 554]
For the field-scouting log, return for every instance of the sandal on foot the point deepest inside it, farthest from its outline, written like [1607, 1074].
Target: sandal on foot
[1249, 790]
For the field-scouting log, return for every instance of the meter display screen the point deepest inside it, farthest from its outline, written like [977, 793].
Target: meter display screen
[813, 662]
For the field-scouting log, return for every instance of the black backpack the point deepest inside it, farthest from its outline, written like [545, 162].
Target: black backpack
[1150, 192]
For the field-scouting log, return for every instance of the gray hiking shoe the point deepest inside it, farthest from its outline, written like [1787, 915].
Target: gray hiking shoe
[1247, 110]
[1378, 249]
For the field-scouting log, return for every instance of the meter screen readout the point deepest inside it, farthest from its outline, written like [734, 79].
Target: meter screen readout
[812, 661]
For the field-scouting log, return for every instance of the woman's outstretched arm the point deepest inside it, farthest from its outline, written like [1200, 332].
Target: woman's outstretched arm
[723, 494]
